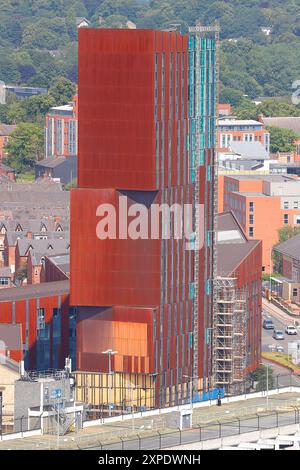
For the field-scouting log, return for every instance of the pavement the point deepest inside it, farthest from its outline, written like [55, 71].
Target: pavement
[149, 428]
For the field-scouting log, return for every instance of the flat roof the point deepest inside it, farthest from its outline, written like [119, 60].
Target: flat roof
[249, 194]
[238, 122]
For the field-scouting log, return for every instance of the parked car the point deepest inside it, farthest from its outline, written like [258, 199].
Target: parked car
[268, 325]
[291, 330]
[278, 334]
[279, 349]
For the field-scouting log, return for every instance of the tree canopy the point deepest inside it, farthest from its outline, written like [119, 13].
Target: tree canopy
[25, 147]
[38, 39]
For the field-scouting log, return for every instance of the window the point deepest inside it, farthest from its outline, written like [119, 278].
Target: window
[251, 206]
[286, 219]
[3, 281]
[297, 219]
[295, 292]
[286, 204]
[251, 219]
[251, 231]
[296, 204]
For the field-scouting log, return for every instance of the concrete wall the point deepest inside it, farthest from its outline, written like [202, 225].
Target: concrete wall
[7, 386]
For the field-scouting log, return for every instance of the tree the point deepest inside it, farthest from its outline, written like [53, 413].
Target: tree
[21, 274]
[25, 147]
[62, 90]
[282, 140]
[287, 232]
[260, 374]
[230, 95]
[276, 108]
[246, 109]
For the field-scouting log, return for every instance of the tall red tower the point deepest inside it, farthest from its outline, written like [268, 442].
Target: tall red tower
[138, 140]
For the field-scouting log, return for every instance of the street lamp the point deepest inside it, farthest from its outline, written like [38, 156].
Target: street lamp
[267, 366]
[110, 353]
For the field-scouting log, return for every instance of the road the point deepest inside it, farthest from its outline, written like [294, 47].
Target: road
[280, 320]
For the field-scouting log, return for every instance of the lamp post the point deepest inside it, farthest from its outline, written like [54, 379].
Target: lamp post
[267, 366]
[110, 353]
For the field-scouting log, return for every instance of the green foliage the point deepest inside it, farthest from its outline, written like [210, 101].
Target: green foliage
[72, 184]
[38, 38]
[21, 273]
[287, 232]
[62, 90]
[262, 375]
[282, 140]
[246, 109]
[24, 147]
[276, 108]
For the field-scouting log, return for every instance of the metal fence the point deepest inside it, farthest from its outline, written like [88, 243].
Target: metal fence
[200, 433]
[23, 424]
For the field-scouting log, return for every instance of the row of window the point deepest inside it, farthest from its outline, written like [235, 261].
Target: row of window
[286, 205]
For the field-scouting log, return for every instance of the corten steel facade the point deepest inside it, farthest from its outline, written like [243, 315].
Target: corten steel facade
[47, 322]
[137, 139]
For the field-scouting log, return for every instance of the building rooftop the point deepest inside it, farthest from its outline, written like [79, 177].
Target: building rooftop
[274, 178]
[11, 335]
[51, 162]
[238, 122]
[7, 129]
[292, 122]
[290, 247]
[44, 289]
[43, 246]
[249, 150]
[249, 194]
[238, 246]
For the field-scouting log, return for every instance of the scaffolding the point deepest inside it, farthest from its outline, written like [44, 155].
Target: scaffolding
[230, 335]
[204, 85]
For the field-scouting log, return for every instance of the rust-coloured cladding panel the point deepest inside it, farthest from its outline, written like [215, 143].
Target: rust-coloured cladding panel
[248, 274]
[112, 271]
[127, 330]
[116, 109]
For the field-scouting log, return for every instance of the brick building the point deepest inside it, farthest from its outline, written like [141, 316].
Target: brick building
[238, 316]
[5, 131]
[61, 130]
[231, 129]
[48, 324]
[263, 205]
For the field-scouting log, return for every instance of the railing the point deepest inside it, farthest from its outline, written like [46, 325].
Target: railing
[200, 433]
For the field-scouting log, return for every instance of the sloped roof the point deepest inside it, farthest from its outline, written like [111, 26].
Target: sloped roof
[290, 247]
[51, 162]
[249, 150]
[232, 244]
[43, 246]
[290, 122]
[44, 289]
[11, 335]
